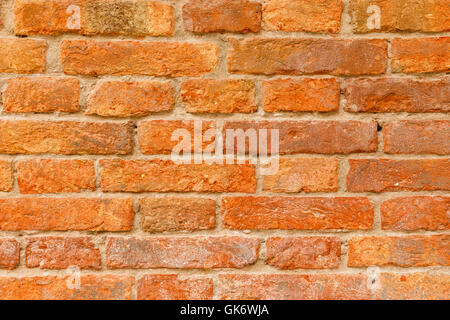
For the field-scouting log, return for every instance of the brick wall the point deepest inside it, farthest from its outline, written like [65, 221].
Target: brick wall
[92, 91]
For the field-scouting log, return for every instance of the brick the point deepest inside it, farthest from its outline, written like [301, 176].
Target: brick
[177, 214]
[155, 136]
[65, 137]
[291, 213]
[43, 94]
[397, 95]
[381, 175]
[293, 287]
[22, 56]
[407, 251]
[57, 214]
[6, 176]
[416, 213]
[62, 253]
[173, 287]
[165, 176]
[219, 96]
[208, 16]
[414, 286]
[324, 137]
[421, 55]
[182, 252]
[55, 176]
[303, 174]
[302, 15]
[303, 252]
[300, 95]
[171, 59]
[308, 56]
[402, 15]
[417, 137]
[92, 287]
[130, 99]
[9, 253]
[105, 17]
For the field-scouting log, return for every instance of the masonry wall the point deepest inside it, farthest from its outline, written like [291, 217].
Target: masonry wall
[93, 90]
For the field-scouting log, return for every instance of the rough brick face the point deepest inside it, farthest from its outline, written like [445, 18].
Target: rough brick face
[22, 56]
[6, 176]
[9, 253]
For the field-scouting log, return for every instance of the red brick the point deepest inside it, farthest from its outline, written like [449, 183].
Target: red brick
[416, 213]
[182, 252]
[9, 253]
[6, 176]
[380, 175]
[22, 56]
[61, 253]
[52, 214]
[290, 213]
[173, 287]
[55, 176]
[407, 251]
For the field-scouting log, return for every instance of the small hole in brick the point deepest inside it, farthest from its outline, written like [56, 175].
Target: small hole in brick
[379, 127]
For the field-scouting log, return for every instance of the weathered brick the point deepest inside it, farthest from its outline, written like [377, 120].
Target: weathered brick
[397, 95]
[208, 16]
[290, 213]
[379, 175]
[421, 55]
[301, 95]
[65, 137]
[303, 252]
[55, 176]
[293, 287]
[9, 253]
[407, 251]
[308, 56]
[182, 252]
[172, 59]
[50, 214]
[61, 253]
[177, 214]
[164, 176]
[219, 96]
[417, 137]
[6, 176]
[303, 174]
[92, 287]
[401, 15]
[302, 15]
[22, 56]
[130, 99]
[416, 213]
[43, 94]
[173, 287]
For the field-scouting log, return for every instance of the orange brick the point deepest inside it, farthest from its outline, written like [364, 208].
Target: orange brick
[301, 95]
[43, 94]
[165, 176]
[219, 96]
[207, 16]
[9, 254]
[302, 15]
[290, 213]
[303, 252]
[61, 253]
[51, 214]
[6, 176]
[417, 137]
[177, 214]
[92, 287]
[182, 252]
[55, 176]
[130, 99]
[22, 56]
[65, 137]
[172, 287]
[416, 213]
[293, 287]
[421, 55]
[308, 56]
[172, 59]
[407, 251]
[379, 175]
